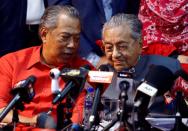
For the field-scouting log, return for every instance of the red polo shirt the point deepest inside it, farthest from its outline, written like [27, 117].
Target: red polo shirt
[21, 64]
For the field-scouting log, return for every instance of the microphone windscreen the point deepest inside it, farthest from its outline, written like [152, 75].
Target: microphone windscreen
[87, 67]
[161, 78]
[45, 121]
[32, 79]
[124, 85]
[104, 68]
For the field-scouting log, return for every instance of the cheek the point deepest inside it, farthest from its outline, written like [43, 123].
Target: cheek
[131, 53]
[108, 55]
[55, 49]
[76, 47]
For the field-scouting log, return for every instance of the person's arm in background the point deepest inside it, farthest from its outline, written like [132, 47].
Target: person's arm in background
[183, 59]
[22, 119]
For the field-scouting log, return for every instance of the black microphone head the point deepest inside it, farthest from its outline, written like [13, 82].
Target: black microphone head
[45, 121]
[104, 68]
[161, 78]
[32, 78]
[124, 85]
[87, 67]
[75, 80]
[73, 74]
[25, 89]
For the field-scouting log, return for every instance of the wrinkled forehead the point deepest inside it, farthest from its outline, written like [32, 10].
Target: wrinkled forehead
[118, 32]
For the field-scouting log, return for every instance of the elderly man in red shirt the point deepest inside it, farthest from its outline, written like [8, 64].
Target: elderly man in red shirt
[60, 33]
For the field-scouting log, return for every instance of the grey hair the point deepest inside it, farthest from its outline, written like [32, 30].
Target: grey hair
[121, 19]
[51, 15]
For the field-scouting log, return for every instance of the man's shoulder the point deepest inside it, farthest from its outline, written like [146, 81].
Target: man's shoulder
[20, 55]
[168, 62]
[160, 58]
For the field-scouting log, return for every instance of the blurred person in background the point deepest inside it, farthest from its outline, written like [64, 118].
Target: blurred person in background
[165, 29]
[20, 23]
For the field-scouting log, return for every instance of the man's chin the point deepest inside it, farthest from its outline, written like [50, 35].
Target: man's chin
[65, 62]
[120, 67]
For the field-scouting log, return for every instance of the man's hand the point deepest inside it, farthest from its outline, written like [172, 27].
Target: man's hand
[183, 59]
[22, 119]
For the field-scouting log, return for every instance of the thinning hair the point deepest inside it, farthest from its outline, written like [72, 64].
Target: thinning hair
[51, 15]
[121, 19]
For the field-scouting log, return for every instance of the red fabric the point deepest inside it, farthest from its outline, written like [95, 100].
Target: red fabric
[166, 22]
[21, 127]
[18, 66]
[100, 44]
[159, 49]
[184, 67]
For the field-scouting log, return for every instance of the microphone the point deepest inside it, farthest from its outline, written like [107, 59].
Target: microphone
[158, 80]
[23, 92]
[125, 82]
[124, 86]
[54, 75]
[75, 79]
[101, 76]
[45, 121]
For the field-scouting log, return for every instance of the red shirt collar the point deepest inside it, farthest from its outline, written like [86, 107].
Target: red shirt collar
[35, 57]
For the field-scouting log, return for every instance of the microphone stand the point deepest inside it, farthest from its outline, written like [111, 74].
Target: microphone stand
[113, 122]
[15, 119]
[178, 116]
[141, 124]
[63, 118]
[122, 115]
[94, 118]
[9, 107]
[60, 113]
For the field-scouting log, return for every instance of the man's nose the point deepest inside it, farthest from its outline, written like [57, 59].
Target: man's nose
[71, 43]
[116, 52]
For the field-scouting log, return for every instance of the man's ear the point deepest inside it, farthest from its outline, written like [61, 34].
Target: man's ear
[43, 33]
[140, 45]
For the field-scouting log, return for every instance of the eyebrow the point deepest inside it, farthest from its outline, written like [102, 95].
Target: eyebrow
[66, 33]
[119, 42]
